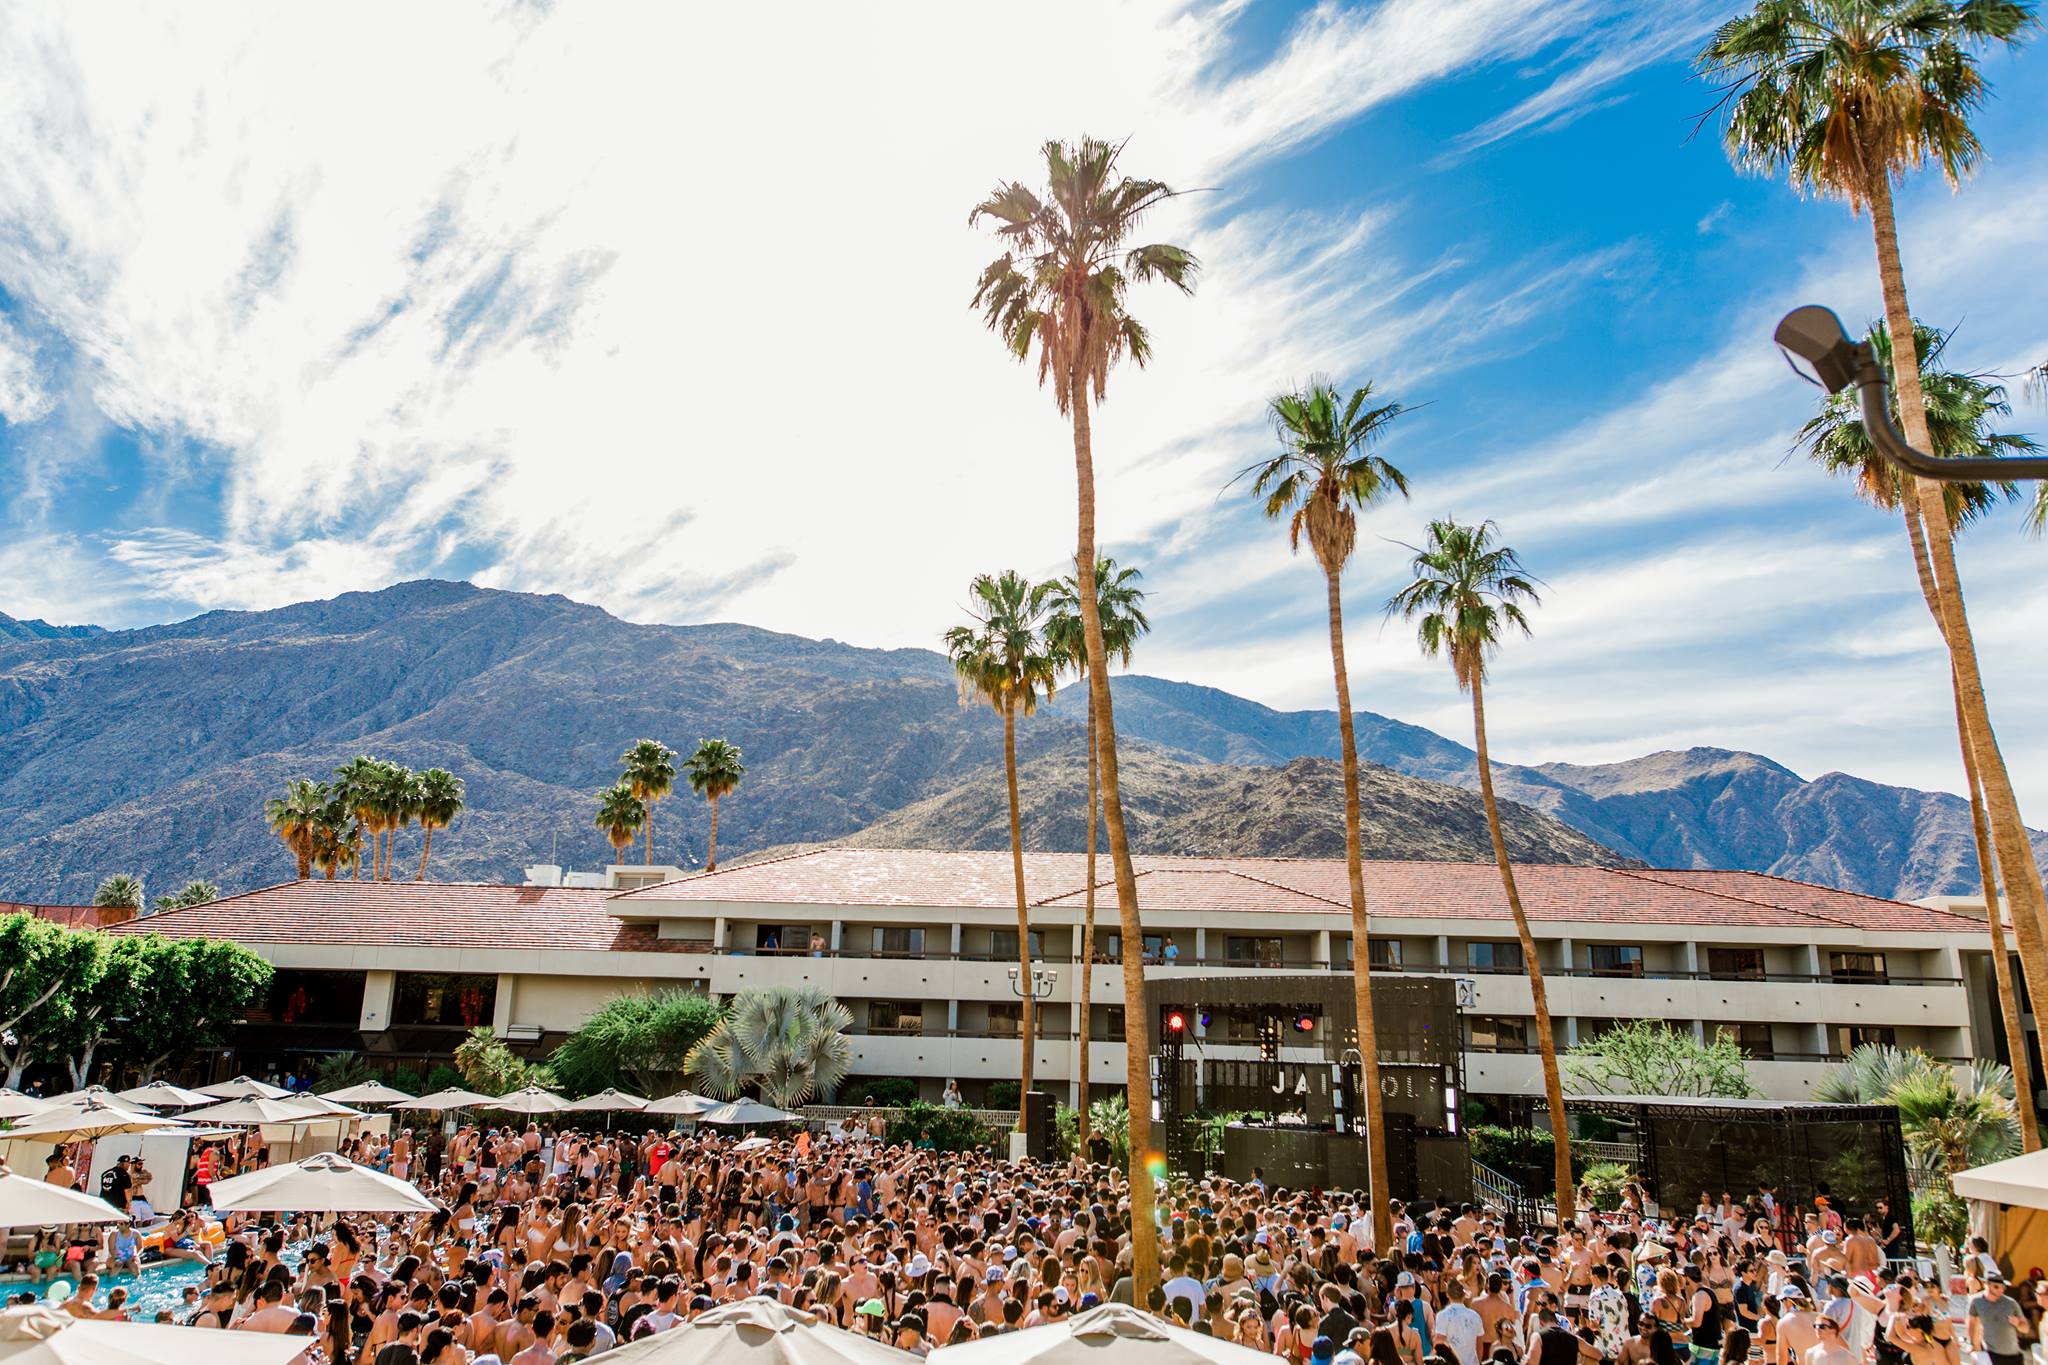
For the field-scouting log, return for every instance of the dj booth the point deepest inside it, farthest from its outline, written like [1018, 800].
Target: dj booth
[1282, 1052]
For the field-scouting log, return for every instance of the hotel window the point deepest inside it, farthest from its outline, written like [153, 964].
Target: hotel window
[1112, 1023]
[895, 1016]
[1857, 968]
[1849, 1037]
[1255, 952]
[444, 999]
[792, 940]
[1494, 955]
[1113, 946]
[900, 942]
[311, 997]
[1379, 952]
[1754, 1039]
[1005, 1018]
[1615, 959]
[1002, 945]
[1492, 1033]
[1735, 964]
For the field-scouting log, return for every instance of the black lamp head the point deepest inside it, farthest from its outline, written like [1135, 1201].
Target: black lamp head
[1814, 334]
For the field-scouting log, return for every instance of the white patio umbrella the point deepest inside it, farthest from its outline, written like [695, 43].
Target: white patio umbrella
[1114, 1334]
[741, 1112]
[325, 1183]
[451, 1098]
[369, 1092]
[162, 1095]
[531, 1100]
[758, 1331]
[682, 1102]
[754, 1144]
[39, 1335]
[91, 1092]
[608, 1100]
[298, 1109]
[26, 1203]
[15, 1105]
[83, 1119]
[244, 1088]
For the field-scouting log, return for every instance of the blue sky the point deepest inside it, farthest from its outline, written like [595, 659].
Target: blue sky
[666, 311]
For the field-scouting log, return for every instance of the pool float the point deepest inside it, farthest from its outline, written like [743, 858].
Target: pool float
[212, 1234]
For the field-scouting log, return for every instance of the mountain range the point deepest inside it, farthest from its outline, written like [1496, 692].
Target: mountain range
[152, 750]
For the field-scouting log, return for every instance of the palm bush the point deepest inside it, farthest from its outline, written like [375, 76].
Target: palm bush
[790, 1042]
[1950, 1122]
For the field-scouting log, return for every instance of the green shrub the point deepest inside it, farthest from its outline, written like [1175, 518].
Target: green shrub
[1940, 1218]
[1523, 1155]
[408, 1080]
[442, 1077]
[1000, 1095]
[950, 1130]
[341, 1071]
[891, 1091]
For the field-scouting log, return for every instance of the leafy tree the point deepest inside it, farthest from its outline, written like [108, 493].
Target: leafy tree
[1323, 476]
[1649, 1057]
[437, 801]
[1468, 590]
[45, 972]
[1061, 288]
[1960, 409]
[1002, 658]
[1845, 97]
[490, 1067]
[620, 814]
[715, 771]
[295, 818]
[198, 891]
[948, 1130]
[119, 891]
[650, 776]
[789, 1041]
[1119, 606]
[192, 994]
[635, 1042]
[126, 967]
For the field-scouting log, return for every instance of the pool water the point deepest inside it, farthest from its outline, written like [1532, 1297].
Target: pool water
[160, 1287]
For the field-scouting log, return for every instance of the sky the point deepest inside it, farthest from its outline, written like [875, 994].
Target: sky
[666, 308]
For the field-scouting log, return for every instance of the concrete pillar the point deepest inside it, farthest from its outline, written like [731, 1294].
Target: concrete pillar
[1323, 952]
[718, 930]
[1691, 958]
[838, 929]
[1571, 1030]
[1443, 950]
[952, 1016]
[956, 940]
[1566, 956]
[1201, 944]
[378, 989]
[501, 1012]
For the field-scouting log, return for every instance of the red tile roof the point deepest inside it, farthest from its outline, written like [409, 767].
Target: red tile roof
[414, 914]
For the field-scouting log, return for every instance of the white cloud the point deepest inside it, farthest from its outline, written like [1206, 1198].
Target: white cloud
[23, 399]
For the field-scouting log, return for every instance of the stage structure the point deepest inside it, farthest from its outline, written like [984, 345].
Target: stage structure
[1852, 1153]
[1284, 1050]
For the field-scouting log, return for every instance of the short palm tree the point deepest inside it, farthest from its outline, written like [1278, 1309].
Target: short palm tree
[198, 891]
[790, 1041]
[1468, 590]
[1950, 1122]
[1846, 96]
[1061, 289]
[1960, 409]
[1325, 474]
[714, 771]
[1119, 606]
[119, 891]
[294, 818]
[651, 774]
[620, 814]
[1002, 658]
[438, 800]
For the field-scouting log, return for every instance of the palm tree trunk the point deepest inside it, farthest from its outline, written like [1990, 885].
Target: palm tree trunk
[2033, 963]
[1024, 982]
[1087, 1006]
[304, 856]
[1539, 997]
[1137, 1028]
[2008, 831]
[647, 828]
[711, 851]
[1361, 940]
[425, 848]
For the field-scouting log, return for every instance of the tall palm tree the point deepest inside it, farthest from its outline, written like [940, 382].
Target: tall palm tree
[1325, 473]
[651, 773]
[620, 814]
[1845, 96]
[119, 891]
[1959, 412]
[356, 784]
[438, 800]
[1468, 590]
[1118, 605]
[337, 834]
[1002, 658]
[295, 817]
[1061, 288]
[714, 771]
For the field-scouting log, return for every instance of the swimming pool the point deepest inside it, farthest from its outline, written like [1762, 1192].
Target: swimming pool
[160, 1287]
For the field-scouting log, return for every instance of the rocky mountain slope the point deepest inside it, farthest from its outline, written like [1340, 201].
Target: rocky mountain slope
[152, 750]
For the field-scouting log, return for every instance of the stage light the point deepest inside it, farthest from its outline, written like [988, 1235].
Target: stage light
[1206, 1017]
[1176, 1022]
[1304, 1023]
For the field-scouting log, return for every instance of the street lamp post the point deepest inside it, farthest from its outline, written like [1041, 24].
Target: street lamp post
[1815, 335]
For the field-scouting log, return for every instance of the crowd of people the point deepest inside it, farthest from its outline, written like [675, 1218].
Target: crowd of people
[549, 1247]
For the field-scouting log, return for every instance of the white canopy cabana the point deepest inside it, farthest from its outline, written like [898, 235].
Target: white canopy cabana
[2021, 1180]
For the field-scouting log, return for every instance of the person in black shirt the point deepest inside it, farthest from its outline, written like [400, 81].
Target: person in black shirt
[116, 1183]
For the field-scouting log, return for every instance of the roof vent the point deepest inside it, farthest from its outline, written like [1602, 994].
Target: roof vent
[544, 874]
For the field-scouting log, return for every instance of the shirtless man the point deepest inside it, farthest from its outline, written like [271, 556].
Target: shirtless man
[1797, 1329]
[272, 1313]
[1860, 1251]
[1830, 1349]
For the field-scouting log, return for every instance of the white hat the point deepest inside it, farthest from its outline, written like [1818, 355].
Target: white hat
[919, 1266]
